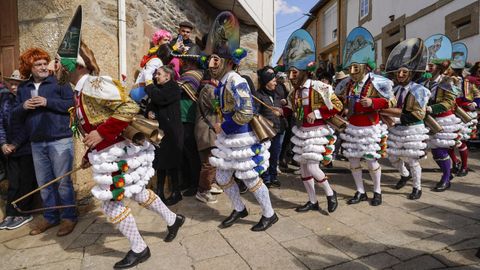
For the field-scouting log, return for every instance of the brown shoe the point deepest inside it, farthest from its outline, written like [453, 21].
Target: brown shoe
[66, 227]
[42, 226]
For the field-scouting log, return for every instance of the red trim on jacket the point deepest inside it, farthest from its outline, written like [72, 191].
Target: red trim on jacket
[110, 130]
[463, 102]
[447, 113]
[367, 116]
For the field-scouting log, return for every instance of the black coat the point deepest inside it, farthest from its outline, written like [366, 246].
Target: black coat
[165, 103]
[274, 101]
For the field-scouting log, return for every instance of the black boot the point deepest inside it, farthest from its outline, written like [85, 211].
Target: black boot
[402, 182]
[332, 202]
[234, 216]
[265, 223]
[132, 259]
[174, 199]
[358, 197]
[241, 186]
[415, 195]
[172, 230]
[456, 167]
[441, 186]
[463, 172]
[377, 199]
[176, 194]
[307, 207]
[161, 184]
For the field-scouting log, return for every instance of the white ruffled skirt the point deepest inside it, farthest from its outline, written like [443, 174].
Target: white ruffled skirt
[242, 153]
[469, 128]
[407, 141]
[313, 144]
[369, 142]
[124, 160]
[450, 136]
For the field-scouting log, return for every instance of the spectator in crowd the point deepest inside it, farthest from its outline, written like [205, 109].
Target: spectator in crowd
[3, 170]
[189, 82]
[269, 97]
[475, 74]
[44, 106]
[340, 76]
[206, 118]
[165, 97]
[183, 42]
[149, 64]
[286, 153]
[325, 78]
[16, 148]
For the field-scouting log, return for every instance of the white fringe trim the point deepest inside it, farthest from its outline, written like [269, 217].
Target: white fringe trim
[104, 163]
[405, 153]
[312, 132]
[236, 140]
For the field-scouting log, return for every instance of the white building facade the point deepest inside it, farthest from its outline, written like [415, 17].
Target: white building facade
[391, 21]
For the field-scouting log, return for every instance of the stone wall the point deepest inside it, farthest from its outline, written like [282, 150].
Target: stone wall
[43, 24]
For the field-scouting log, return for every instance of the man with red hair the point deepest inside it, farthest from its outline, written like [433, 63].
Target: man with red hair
[44, 106]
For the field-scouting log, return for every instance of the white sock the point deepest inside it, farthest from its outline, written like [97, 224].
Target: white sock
[319, 175]
[157, 206]
[262, 196]
[416, 173]
[127, 227]
[399, 164]
[356, 169]
[309, 183]
[376, 173]
[310, 187]
[223, 177]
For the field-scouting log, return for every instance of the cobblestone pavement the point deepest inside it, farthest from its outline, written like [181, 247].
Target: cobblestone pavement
[441, 230]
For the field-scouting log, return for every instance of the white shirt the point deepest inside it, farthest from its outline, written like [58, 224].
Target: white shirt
[34, 92]
[146, 74]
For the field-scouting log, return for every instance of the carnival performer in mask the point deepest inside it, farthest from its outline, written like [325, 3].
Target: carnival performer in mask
[440, 106]
[364, 95]
[407, 139]
[468, 100]
[312, 103]
[120, 168]
[238, 152]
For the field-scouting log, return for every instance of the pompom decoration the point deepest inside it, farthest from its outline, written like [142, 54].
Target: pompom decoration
[427, 75]
[203, 61]
[372, 64]
[279, 68]
[238, 55]
[311, 67]
[118, 194]
[119, 181]
[122, 165]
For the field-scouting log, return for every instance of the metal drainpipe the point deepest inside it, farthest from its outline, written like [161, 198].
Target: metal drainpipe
[122, 40]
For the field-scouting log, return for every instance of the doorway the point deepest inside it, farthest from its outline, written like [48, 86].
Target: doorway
[9, 47]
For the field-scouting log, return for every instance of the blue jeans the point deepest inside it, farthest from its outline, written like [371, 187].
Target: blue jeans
[53, 159]
[275, 147]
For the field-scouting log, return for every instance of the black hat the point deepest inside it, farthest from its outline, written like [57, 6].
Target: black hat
[265, 75]
[186, 24]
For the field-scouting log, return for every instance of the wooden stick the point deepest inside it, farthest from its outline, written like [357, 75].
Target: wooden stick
[264, 104]
[46, 185]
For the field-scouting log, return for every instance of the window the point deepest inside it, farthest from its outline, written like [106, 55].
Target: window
[462, 23]
[364, 8]
[329, 33]
[364, 11]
